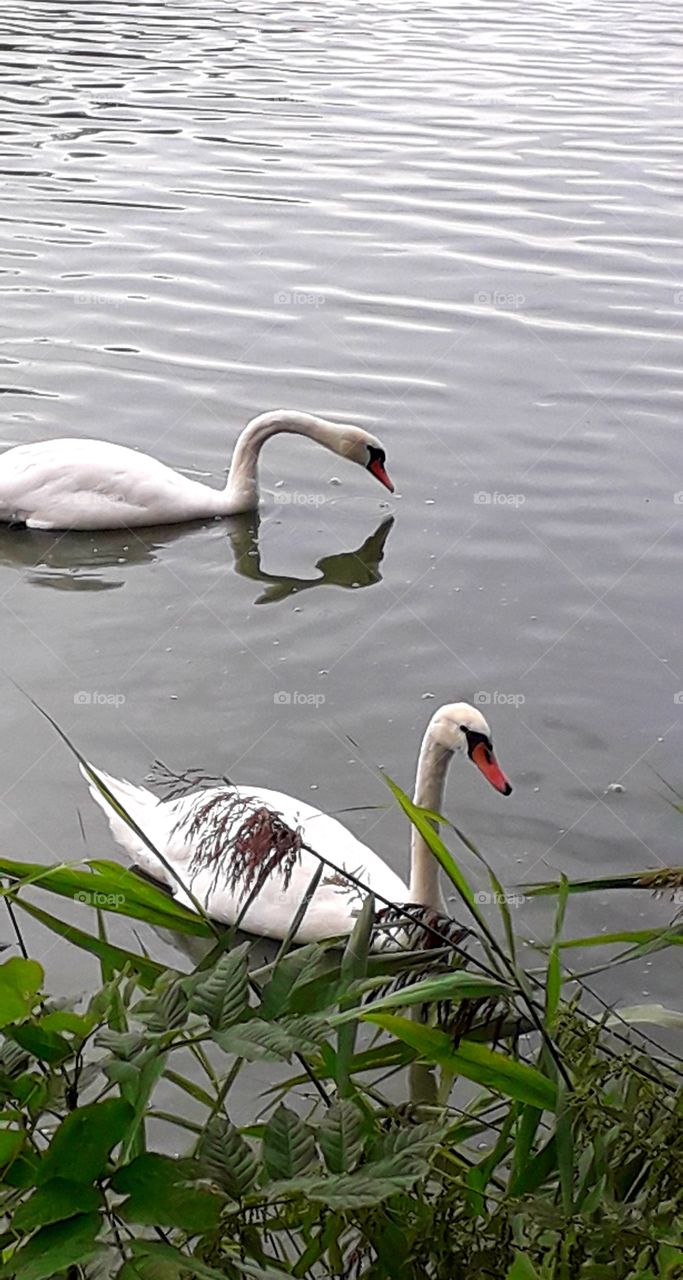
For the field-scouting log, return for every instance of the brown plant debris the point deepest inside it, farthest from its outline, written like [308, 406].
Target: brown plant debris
[242, 840]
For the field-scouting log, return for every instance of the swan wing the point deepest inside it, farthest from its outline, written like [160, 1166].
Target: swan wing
[224, 889]
[93, 484]
[220, 842]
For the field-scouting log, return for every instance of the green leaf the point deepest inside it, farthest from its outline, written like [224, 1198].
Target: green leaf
[222, 994]
[527, 1127]
[672, 936]
[166, 1008]
[80, 1147]
[564, 1145]
[170, 1256]
[108, 887]
[340, 1136]
[536, 1171]
[190, 1087]
[53, 1202]
[226, 1158]
[554, 977]
[54, 1248]
[522, 1269]
[474, 1061]
[46, 1045]
[288, 1146]
[78, 1025]
[648, 880]
[364, 1188]
[409, 1140]
[432, 839]
[158, 1194]
[117, 957]
[354, 965]
[448, 986]
[20, 982]
[256, 1040]
[155, 1250]
[294, 970]
[10, 1143]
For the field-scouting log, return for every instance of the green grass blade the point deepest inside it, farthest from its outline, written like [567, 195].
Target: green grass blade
[447, 986]
[148, 970]
[422, 820]
[108, 887]
[650, 880]
[353, 966]
[491, 1070]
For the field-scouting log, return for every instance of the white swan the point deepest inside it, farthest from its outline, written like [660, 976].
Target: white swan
[222, 840]
[92, 484]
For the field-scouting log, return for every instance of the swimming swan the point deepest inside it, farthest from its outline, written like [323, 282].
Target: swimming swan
[93, 484]
[222, 841]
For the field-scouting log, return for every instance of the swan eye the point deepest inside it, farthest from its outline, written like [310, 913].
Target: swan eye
[475, 739]
[376, 456]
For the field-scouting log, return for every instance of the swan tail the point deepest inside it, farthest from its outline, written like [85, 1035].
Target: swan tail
[144, 809]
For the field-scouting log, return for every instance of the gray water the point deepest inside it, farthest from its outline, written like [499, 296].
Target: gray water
[457, 226]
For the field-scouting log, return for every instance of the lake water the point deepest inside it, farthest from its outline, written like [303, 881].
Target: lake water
[457, 226]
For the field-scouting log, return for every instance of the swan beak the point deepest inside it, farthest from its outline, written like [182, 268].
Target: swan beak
[380, 474]
[487, 763]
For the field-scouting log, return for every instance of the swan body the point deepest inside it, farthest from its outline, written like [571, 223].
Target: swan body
[221, 840]
[93, 484]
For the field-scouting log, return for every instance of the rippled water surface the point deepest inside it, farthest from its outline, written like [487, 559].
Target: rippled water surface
[455, 224]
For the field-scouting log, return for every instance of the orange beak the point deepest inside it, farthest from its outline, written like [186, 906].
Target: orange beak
[380, 474]
[487, 763]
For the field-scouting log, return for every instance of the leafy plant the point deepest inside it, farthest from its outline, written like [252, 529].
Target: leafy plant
[556, 1157]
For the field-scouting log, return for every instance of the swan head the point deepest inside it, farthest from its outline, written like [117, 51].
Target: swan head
[457, 726]
[359, 446]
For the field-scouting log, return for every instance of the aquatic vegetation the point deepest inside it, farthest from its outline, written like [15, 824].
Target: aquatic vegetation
[531, 1139]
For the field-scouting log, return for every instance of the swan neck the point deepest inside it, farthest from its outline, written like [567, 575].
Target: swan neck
[430, 785]
[242, 488]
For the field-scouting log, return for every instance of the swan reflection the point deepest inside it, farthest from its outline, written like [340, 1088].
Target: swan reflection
[350, 569]
[86, 561]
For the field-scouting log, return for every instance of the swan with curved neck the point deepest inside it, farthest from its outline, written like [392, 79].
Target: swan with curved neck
[93, 484]
[222, 841]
